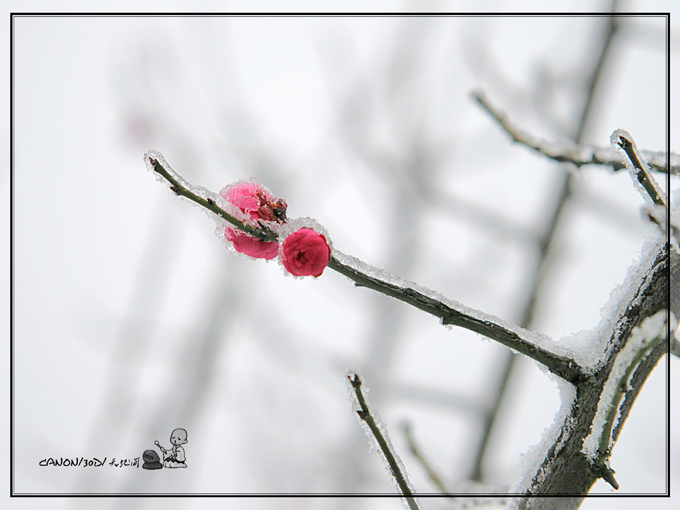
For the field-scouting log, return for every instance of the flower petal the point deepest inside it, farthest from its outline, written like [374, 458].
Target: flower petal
[305, 252]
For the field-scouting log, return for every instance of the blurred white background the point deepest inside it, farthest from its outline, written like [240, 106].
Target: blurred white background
[131, 319]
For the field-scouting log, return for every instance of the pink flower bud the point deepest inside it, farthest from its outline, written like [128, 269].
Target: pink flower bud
[305, 253]
[258, 203]
[255, 200]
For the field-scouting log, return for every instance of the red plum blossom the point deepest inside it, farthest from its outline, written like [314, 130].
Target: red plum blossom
[305, 252]
[258, 203]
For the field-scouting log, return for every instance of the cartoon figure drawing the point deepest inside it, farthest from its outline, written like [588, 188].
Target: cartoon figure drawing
[175, 458]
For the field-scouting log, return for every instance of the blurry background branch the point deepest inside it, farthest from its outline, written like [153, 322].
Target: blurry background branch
[425, 463]
[569, 152]
[545, 241]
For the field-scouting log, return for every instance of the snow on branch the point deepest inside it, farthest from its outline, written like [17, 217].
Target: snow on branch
[637, 340]
[579, 155]
[643, 339]
[451, 313]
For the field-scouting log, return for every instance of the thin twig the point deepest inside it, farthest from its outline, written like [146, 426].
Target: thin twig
[579, 155]
[451, 313]
[178, 186]
[365, 414]
[625, 141]
[455, 314]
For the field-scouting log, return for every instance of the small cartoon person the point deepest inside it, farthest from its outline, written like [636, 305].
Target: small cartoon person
[175, 458]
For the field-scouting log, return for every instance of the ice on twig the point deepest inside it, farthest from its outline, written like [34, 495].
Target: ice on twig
[406, 285]
[151, 156]
[172, 179]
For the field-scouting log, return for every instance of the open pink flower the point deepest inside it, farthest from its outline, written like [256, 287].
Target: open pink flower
[258, 203]
[305, 252]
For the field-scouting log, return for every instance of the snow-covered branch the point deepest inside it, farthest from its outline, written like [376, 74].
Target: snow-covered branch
[642, 340]
[378, 437]
[579, 155]
[635, 344]
[639, 170]
[451, 313]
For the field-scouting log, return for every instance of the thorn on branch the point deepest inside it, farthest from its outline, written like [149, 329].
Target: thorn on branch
[609, 478]
[607, 474]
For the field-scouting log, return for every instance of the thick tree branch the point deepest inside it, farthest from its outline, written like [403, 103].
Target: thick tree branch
[569, 468]
[579, 155]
